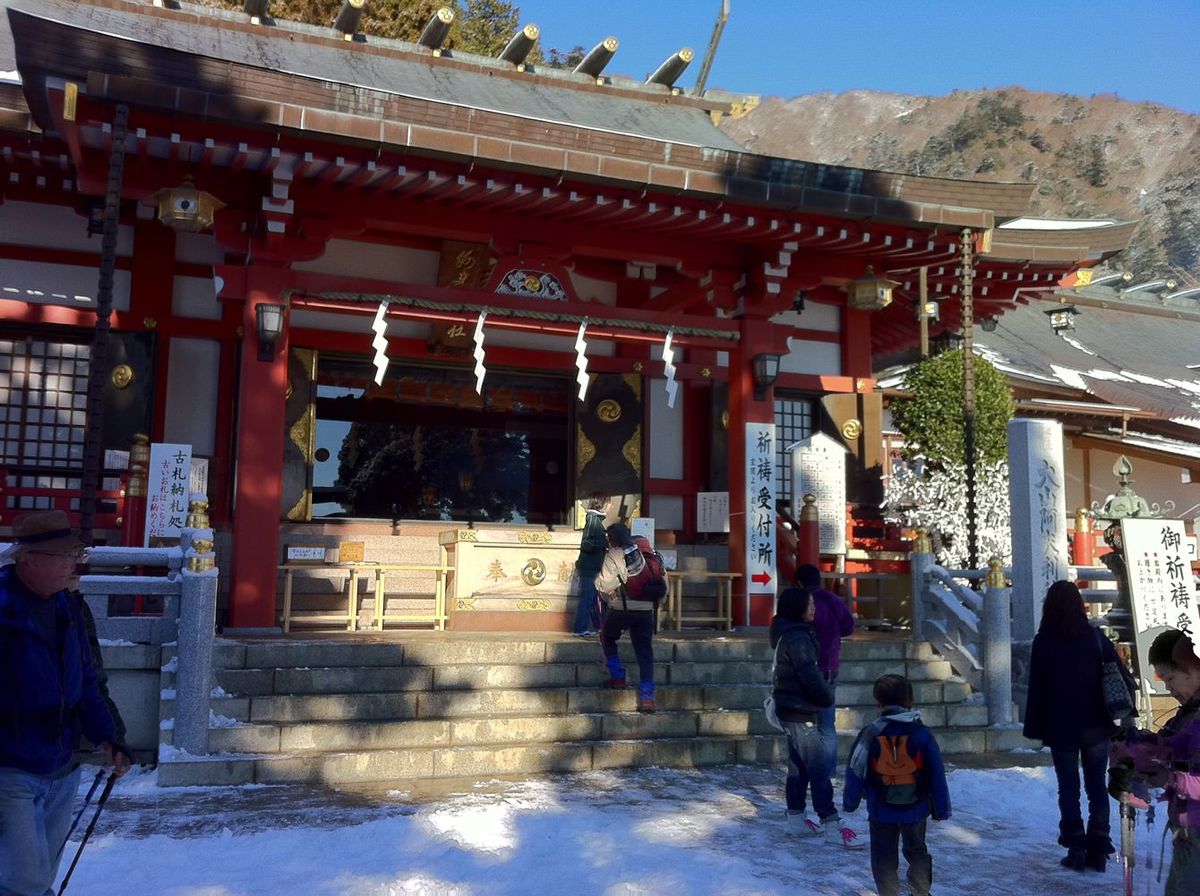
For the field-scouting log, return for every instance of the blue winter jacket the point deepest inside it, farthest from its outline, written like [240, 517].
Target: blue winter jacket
[799, 688]
[48, 692]
[933, 794]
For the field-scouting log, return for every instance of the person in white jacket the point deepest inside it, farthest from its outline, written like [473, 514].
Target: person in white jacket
[623, 561]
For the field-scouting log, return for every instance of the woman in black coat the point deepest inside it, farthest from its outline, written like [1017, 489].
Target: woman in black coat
[1065, 709]
[800, 693]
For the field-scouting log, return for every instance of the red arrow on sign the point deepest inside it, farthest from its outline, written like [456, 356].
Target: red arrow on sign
[761, 578]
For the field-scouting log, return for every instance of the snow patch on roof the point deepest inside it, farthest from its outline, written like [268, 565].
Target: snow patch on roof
[1075, 343]
[1186, 385]
[1111, 375]
[1148, 380]
[1052, 224]
[1069, 376]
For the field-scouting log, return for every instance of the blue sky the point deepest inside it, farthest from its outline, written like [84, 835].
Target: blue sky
[1137, 49]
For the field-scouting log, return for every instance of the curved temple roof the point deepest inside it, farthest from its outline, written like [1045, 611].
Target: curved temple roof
[389, 118]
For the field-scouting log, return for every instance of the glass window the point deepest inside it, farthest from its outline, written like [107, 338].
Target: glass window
[793, 422]
[423, 445]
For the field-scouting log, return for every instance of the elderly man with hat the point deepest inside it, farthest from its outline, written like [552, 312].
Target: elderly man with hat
[48, 697]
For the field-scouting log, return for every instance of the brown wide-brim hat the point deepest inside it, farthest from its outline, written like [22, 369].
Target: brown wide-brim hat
[44, 530]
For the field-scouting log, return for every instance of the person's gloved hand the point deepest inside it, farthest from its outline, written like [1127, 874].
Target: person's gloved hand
[1120, 778]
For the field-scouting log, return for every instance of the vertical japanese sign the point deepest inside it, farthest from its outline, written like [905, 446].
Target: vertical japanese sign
[1162, 593]
[760, 508]
[167, 491]
[819, 469]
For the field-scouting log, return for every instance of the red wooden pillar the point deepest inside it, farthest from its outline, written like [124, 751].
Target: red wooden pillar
[262, 388]
[133, 515]
[808, 539]
[757, 337]
[1082, 545]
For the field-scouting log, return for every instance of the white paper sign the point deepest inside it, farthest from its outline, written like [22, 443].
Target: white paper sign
[1161, 589]
[198, 481]
[819, 469]
[167, 490]
[304, 552]
[643, 526]
[712, 511]
[760, 508]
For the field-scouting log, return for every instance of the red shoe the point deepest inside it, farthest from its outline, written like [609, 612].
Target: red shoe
[646, 704]
[614, 684]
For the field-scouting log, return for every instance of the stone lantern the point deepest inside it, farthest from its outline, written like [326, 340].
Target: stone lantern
[1125, 504]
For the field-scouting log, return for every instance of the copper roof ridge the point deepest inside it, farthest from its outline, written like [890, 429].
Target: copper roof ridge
[284, 29]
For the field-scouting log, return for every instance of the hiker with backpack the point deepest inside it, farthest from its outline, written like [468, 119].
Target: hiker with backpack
[800, 693]
[631, 583]
[896, 762]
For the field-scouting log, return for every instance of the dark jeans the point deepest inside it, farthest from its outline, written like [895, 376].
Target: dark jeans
[1066, 768]
[587, 611]
[641, 632]
[885, 859]
[826, 721]
[808, 767]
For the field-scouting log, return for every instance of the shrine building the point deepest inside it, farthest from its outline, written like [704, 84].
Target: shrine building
[388, 291]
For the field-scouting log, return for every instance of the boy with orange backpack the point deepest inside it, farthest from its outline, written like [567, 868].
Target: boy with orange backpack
[897, 762]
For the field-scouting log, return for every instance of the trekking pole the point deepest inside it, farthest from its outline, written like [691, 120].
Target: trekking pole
[87, 799]
[1128, 820]
[108, 786]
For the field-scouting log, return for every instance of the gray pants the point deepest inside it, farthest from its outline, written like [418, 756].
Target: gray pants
[886, 840]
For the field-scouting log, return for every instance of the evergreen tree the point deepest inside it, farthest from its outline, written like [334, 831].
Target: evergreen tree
[480, 26]
[929, 487]
[931, 419]
[487, 25]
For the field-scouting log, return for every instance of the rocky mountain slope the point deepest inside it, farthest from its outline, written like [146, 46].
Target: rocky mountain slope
[1097, 157]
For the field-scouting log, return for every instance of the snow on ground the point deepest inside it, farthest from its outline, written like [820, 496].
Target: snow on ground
[620, 833]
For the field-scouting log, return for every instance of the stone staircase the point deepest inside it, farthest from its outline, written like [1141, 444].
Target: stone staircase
[424, 705]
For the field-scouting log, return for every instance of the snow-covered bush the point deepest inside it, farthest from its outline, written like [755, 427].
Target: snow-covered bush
[919, 494]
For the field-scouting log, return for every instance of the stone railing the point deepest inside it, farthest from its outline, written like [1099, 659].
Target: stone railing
[970, 629]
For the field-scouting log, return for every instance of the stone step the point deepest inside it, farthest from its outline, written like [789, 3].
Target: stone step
[514, 650]
[930, 680]
[345, 768]
[936, 699]
[428, 763]
[620, 723]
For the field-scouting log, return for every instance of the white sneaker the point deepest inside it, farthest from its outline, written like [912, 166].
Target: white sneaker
[801, 824]
[840, 835]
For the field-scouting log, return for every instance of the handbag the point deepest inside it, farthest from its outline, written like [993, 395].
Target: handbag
[1116, 684]
[769, 700]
